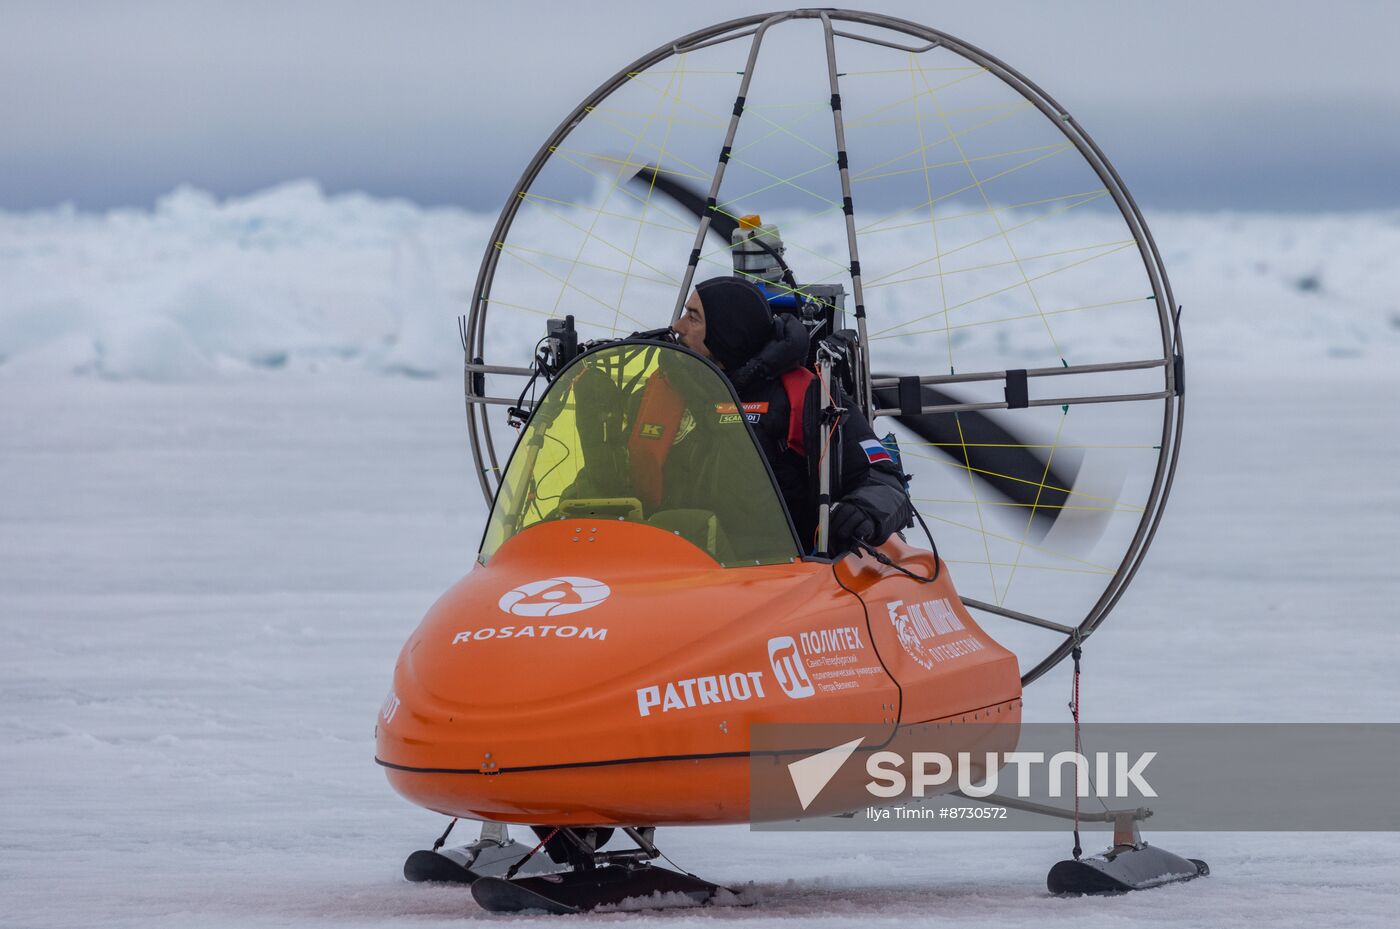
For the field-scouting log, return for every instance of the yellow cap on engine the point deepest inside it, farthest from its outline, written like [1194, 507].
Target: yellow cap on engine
[751, 221]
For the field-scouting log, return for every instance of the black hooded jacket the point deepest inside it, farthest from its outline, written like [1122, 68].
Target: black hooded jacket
[877, 488]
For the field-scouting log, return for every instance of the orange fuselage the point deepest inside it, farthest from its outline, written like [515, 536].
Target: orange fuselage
[605, 672]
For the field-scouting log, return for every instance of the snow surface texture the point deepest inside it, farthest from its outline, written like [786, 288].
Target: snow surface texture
[203, 587]
[203, 590]
[290, 279]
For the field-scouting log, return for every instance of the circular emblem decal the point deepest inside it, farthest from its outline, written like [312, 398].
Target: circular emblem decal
[554, 596]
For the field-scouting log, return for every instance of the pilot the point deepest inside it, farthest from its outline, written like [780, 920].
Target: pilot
[729, 321]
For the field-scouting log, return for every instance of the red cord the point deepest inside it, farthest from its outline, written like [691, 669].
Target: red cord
[1074, 708]
[515, 868]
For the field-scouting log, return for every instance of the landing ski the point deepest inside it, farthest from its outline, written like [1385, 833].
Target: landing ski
[466, 863]
[625, 887]
[1123, 868]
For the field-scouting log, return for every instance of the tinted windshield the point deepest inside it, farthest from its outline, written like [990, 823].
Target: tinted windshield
[650, 434]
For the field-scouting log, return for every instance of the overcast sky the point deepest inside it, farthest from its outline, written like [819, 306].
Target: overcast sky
[1284, 104]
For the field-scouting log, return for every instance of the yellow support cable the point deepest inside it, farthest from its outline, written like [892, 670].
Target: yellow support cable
[628, 162]
[930, 147]
[1020, 480]
[491, 301]
[856, 123]
[749, 195]
[951, 194]
[606, 179]
[972, 488]
[884, 282]
[996, 217]
[510, 247]
[565, 283]
[1030, 514]
[1099, 569]
[1091, 194]
[902, 70]
[795, 246]
[933, 227]
[603, 241]
[1008, 504]
[954, 164]
[902, 445]
[1006, 319]
[1000, 290]
[1036, 567]
[784, 129]
[651, 187]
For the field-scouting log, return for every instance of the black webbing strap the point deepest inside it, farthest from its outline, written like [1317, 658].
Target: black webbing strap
[1017, 391]
[911, 402]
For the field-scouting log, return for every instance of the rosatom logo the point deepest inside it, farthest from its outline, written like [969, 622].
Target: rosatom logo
[554, 596]
[788, 668]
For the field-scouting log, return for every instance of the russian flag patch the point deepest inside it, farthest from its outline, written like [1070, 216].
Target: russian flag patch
[874, 451]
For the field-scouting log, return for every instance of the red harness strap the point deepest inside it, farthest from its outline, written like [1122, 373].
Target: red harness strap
[795, 384]
[653, 432]
[659, 416]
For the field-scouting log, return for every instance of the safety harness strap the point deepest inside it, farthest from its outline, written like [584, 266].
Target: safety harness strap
[795, 384]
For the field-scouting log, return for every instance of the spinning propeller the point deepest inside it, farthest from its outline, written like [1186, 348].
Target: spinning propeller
[995, 456]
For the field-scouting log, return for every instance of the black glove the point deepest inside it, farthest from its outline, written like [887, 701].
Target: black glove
[847, 523]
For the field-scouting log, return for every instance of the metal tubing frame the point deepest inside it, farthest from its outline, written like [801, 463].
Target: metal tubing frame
[473, 368]
[1030, 372]
[1018, 616]
[863, 387]
[703, 229]
[483, 445]
[1049, 401]
[1135, 815]
[499, 401]
[824, 466]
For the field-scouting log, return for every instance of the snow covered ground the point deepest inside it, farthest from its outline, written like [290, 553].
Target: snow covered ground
[203, 588]
[222, 514]
[292, 280]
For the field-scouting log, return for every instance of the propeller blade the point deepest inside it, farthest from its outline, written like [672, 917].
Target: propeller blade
[721, 224]
[1017, 474]
[995, 456]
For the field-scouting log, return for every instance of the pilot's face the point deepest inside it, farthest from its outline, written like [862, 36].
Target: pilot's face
[691, 326]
